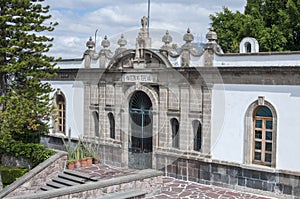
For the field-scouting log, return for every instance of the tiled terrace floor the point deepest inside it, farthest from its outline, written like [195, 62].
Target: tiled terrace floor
[172, 188]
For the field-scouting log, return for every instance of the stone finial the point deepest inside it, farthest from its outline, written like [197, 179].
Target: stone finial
[211, 36]
[105, 43]
[89, 53]
[122, 41]
[167, 39]
[90, 44]
[144, 22]
[188, 36]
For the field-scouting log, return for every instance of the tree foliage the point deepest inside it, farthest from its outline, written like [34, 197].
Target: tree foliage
[274, 23]
[25, 102]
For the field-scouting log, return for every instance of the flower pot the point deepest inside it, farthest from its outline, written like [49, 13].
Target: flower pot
[71, 165]
[77, 164]
[96, 161]
[89, 161]
[83, 162]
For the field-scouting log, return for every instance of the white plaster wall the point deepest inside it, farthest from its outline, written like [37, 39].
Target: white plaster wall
[70, 64]
[229, 105]
[73, 92]
[257, 59]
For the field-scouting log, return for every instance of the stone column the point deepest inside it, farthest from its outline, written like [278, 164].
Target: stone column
[124, 131]
[163, 126]
[102, 115]
[118, 106]
[86, 109]
[206, 125]
[184, 123]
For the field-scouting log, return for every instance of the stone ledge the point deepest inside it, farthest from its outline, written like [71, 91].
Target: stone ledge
[262, 192]
[179, 153]
[193, 155]
[131, 193]
[143, 174]
[29, 175]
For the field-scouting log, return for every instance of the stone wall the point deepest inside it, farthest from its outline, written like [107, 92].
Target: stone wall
[10, 161]
[110, 150]
[151, 185]
[36, 177]
[149, 181]
[111, 154]
[276, 183]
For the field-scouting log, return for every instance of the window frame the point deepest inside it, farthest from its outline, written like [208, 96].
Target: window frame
[112, 125]
[95, 116]
[197, 124]
[263, 129]
[174, 133]
[249, 132]
[60, 120]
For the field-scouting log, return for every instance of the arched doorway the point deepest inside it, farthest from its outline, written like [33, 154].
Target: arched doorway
[140, 134]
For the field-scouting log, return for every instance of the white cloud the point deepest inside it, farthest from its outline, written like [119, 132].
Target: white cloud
[78, 20]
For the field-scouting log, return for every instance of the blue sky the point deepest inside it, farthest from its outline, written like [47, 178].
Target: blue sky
[79, 19]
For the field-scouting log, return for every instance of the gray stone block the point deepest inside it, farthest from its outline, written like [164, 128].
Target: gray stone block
[296, 191]
[241, 181]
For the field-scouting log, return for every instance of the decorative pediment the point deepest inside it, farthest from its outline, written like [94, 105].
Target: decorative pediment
[127, 59]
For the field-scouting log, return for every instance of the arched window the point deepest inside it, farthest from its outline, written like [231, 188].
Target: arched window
[175, 132]
[263, 136]
[197, 131]
[96, 122]
[111, 125]
[248, 47]
[60, 121]
[261, 133]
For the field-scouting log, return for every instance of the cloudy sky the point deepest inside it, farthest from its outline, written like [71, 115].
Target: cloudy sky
[79, 19]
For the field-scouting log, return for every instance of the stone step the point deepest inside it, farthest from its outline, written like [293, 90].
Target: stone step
[131, 193]
[72, 178]
[55, 185]
[47, 188]
[80, 174]
[65, 181]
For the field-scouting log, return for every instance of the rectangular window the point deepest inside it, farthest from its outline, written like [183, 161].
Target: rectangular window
[262, 140]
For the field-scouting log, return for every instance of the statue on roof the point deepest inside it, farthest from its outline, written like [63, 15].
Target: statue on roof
[144, 22]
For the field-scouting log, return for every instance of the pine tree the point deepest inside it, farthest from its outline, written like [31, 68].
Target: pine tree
[25, 100]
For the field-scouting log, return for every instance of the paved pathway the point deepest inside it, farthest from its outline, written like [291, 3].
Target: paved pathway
[172, 188]
[104, 171]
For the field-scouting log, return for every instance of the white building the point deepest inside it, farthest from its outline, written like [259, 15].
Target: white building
[210, 117]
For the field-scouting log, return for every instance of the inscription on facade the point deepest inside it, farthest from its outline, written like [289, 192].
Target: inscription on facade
[138, 78]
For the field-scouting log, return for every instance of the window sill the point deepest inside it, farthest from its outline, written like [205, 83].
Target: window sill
[258, 167]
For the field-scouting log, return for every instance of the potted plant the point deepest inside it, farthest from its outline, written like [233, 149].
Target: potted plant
[87, 146]
[70, 151]
[77, 155]
[83, 160]
[70, 164]
[95, 148]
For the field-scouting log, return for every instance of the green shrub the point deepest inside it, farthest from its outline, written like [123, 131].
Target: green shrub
[31, 152]
[10, 174]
